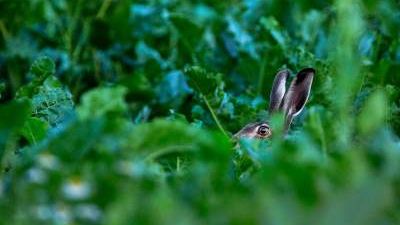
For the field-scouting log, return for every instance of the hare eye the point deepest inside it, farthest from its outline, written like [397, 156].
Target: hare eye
[262, 130]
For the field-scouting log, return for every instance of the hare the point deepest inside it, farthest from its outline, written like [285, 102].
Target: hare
[290, 102]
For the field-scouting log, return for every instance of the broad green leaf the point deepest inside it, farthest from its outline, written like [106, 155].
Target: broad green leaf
[139, 86]
[162, 137]
[70, 144]
[12, 118]
[146, 153]
[374, 113]
[102, 101]
[34, 130]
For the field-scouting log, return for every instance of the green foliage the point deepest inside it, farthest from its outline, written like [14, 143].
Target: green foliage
[40, 70]
[2, 88]
[370, 122]
[121, 112]
[14, 115]
[34, 130]
[203, 82]
[102, 101]
[52, 102]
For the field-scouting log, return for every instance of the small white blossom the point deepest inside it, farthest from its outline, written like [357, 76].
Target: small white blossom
[76, 189]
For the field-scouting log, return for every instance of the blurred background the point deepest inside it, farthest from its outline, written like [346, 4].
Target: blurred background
[121, 112]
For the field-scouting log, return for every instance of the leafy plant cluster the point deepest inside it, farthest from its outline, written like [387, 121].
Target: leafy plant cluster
[122, 112]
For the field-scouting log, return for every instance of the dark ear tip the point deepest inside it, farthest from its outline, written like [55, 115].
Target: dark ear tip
[305, 73]
[307, 70]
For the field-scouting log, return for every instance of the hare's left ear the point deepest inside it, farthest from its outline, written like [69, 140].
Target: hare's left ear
[297, 95]
[278, 91]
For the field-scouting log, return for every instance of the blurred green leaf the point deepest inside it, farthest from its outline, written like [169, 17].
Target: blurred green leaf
[189, 32]
[163, 137]
[102, 101]
[173, 89]
[374, 113]
[34, 130]
[2, 88]
[272, 26]
[13, 117]
[123, 130]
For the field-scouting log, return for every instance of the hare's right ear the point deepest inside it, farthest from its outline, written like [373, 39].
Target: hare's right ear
[278, 91]
[297, 95]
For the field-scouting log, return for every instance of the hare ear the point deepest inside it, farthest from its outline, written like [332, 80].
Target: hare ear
[278, 91]
[297, 95]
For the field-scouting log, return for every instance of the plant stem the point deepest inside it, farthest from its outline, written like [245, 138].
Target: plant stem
[168, 150]
[214, 116]
[4, 31]
[103, 9]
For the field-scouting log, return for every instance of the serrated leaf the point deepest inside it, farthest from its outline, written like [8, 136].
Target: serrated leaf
[43, 67]
[203, 82]
[52, 103]
[206, 84]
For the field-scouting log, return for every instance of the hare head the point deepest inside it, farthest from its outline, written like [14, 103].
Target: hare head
[290, 102]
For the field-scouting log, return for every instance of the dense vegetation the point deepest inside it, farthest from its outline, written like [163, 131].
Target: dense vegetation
[121, 112]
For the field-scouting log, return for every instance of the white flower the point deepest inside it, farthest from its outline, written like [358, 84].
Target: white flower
[76, 189]
[48, 161]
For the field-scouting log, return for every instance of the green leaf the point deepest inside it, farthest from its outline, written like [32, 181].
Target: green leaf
[172, 89]
[13, 116]
[277, 33]
[71, 143]
[203, 82]
[102, 101]
[162, 137]
[43, 67]
[34, 130]
[52, 102]
[373, 114]
[117, 19]
[189, 32]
